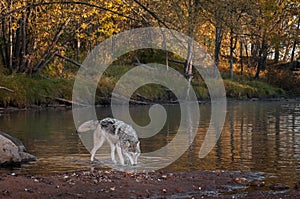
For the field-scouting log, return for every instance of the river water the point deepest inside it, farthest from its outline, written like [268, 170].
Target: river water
[257, 136]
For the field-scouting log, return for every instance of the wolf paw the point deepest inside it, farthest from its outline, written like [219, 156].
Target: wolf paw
[114, 161]
[95, 161]
[122, 163]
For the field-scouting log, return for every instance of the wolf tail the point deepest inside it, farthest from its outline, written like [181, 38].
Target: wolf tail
[87, 126]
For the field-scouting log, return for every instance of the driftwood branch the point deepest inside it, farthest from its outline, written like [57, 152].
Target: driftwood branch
[123, 99]
[7, 89]
[143, 97]
[69, 101]
[176, 61]
[138, 63]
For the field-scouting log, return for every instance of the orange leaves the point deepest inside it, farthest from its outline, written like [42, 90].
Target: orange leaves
[47, 27]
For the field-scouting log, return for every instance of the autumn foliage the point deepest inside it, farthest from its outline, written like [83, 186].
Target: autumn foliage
[52, 38]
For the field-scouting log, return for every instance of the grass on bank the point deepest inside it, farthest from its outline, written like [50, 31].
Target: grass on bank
[251, 89]
[44, 91]
[32, 90]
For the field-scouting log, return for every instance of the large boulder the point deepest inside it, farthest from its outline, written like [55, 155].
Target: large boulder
[12, 151]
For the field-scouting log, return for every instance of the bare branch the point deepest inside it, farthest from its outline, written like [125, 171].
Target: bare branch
[152, 13]
[69, 60]
[7, 89]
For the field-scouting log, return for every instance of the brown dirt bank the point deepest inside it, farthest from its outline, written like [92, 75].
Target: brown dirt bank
[114, 184]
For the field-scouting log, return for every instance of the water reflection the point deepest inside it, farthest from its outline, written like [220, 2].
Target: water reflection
[257, 136]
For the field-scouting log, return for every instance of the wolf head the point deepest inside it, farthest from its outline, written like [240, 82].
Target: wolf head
[132, 151]
[90, 125]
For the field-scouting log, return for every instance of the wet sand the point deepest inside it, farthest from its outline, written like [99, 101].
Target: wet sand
[115, 184]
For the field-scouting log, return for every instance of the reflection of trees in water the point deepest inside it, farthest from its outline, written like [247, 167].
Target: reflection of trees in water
[262, 136]
[48, 131]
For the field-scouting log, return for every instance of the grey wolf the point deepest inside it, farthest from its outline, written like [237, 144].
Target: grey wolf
[118, 134]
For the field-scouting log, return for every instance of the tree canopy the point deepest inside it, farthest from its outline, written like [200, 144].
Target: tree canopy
[35, 33]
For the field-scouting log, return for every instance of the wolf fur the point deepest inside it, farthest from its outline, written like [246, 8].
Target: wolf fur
[118, 134]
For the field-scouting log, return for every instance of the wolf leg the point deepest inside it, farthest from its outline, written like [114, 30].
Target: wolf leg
[112, 152]
[119, 150]
[97, 144]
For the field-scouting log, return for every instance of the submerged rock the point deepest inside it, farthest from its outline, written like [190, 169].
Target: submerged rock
[12, 151]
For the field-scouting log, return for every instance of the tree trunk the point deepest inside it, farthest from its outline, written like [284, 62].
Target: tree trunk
[295, 42]
[24, 42]
[264, 55]
[188, 66]
[4, 49]
[287, 51]
[247, 52]
[231, 54]
[293, 50]
[277, 48]
[218, 42]
[167, 60]
[78, 50]
[254, 53]
[241, 57]
[258, 69]
[262, 58]
[17, 47]
[277, 53]
[10, 46]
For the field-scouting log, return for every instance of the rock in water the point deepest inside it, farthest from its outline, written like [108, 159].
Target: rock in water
[12, 151]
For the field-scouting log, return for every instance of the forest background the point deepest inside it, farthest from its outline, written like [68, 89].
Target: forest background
[254, 43]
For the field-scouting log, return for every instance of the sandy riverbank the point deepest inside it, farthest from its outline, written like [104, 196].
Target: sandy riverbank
[114, 184]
